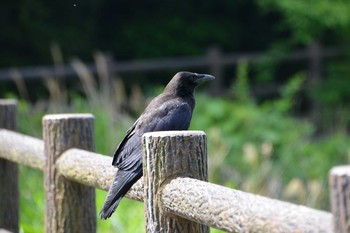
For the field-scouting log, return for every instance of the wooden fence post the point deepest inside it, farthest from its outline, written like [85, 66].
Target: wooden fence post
[216, 67]
[315, 51]
[8, 172]
[168, 155]
[70, 207]
[339, 184]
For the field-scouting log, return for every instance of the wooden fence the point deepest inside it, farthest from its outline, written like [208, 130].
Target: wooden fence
[174, 187]
[214, 60]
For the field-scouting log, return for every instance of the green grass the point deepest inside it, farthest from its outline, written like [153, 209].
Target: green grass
[32, 207]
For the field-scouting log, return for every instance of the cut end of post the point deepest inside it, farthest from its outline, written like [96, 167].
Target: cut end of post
[8, 102]
[187, 133]
[340, 170]
[68, 116]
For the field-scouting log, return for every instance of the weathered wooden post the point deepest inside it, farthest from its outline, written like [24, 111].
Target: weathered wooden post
[8, 173]
[70, 207]
[339, 184]
[168, 155]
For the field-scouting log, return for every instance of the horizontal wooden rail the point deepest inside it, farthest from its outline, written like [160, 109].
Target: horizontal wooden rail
[50, 71]
[82, 166]
[199, 201]
[236, 211]
[94, 170]
[22, 149]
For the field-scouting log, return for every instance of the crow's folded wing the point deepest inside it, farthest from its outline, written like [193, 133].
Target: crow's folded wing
[167, 116]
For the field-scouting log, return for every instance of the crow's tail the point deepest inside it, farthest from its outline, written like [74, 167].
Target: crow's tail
[120, 186]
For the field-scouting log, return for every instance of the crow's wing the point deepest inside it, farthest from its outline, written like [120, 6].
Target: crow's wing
[123, 147]
[128, 156]
[121, 184]
[171, 115]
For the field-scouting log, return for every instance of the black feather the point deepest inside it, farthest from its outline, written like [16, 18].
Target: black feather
[171, 110]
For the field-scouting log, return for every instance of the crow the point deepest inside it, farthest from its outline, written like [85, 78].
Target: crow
[171, 110]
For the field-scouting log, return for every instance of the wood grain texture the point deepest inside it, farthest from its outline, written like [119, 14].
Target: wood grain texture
[9, 212]
[168, 155]
[236, 211]
[94, 170]
[22, 149]
[339, 182]
[70, 207]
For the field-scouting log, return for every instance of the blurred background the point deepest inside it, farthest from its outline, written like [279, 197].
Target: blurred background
[277, 116]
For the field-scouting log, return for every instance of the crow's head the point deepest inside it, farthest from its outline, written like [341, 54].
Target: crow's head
[185, 82]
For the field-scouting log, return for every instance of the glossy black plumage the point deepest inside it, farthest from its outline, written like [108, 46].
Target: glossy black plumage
[171, 110]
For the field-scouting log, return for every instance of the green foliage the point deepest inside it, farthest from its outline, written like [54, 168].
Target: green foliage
[334, 88]
[310, 20]
[32, 202]
[262, 149]
[302, 23]
[185, 28]
[288, 93]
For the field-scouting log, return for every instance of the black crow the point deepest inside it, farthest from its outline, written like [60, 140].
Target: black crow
[171, 110]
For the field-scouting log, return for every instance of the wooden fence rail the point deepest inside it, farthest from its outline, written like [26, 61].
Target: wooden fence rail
[214, 59]
[178, 194]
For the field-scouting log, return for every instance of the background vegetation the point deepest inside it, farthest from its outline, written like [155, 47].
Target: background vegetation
[254, 147]
[270, 145]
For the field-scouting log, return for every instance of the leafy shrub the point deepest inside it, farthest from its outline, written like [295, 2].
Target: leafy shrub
[261, 148]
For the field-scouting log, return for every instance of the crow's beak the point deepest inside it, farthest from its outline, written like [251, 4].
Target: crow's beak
[203, 78]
